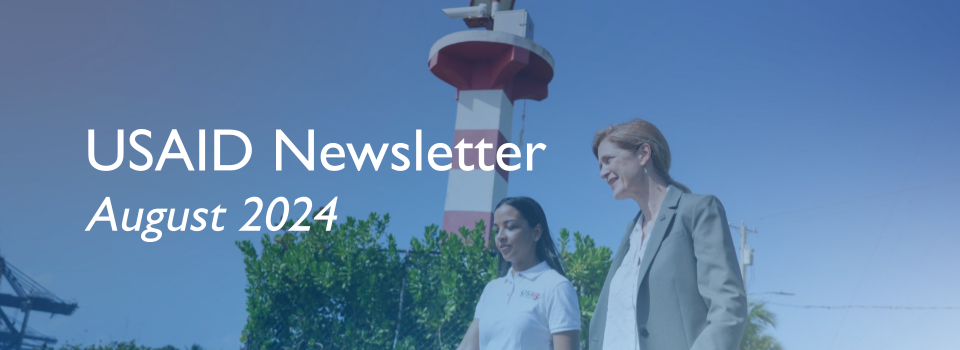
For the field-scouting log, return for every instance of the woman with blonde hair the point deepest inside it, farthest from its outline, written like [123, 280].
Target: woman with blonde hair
[675, 281]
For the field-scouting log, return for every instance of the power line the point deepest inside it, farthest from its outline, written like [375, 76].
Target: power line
[774, 293]
[864, 207]
[912, 324]
[923, 140]
[847, 201]
[884, 307]
[857, 268]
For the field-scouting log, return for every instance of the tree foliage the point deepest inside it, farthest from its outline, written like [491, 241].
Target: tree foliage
[444, 288]
[131, 345]
[351, 288]
[587, 268]
[329, 289]
[754, 335]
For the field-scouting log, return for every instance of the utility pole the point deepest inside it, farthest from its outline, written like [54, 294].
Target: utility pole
[746, 252]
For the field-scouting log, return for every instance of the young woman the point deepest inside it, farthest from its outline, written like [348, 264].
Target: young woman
[532, 305]
[675, 282]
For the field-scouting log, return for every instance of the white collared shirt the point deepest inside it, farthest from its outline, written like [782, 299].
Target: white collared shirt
[523, 309]
[621, 326]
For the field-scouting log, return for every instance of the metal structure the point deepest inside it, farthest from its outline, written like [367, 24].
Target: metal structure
[491, 69]
[29, 297]
[480, 13]
[746, 251]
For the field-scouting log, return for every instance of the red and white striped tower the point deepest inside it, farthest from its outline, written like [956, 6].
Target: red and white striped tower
[491, 69]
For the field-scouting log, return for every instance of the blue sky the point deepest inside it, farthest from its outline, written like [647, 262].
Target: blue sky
[830, 126]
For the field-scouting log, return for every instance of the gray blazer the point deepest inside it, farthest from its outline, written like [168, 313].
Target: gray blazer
[691, 294]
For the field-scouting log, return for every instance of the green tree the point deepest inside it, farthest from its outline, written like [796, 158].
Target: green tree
[342, 289]
[444, 288]
[754, 335]
[587, 268]
[131, 345]
[336, 289]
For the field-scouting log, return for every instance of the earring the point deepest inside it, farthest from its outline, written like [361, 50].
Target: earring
[644, 170]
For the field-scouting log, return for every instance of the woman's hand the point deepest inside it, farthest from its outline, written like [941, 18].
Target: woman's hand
[471, 340]
[569, 340]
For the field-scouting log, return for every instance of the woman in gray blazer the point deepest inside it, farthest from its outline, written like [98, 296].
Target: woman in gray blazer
[675, 282]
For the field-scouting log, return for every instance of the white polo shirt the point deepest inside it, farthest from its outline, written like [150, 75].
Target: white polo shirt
[522, 310]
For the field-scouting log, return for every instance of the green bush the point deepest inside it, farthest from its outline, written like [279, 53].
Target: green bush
[131, 345]
[342, 289]
[444, 288]
[587, 268]
[332, 289]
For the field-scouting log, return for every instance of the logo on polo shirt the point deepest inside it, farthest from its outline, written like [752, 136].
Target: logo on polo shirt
[530, 295]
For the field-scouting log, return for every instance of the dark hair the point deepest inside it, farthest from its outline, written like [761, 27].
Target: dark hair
[546, 250]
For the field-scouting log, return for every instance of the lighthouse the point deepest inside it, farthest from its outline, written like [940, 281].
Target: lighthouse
[492, 65]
